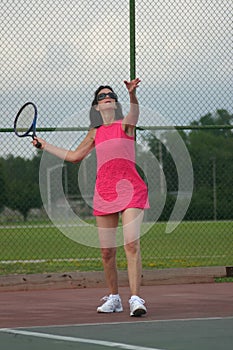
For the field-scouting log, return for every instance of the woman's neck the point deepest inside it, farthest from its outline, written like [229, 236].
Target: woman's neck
[108, 116]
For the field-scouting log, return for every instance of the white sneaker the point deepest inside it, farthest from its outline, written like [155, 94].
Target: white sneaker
[137, 307]
[111, 304]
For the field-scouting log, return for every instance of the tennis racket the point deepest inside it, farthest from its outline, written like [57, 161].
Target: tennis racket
[25, 122]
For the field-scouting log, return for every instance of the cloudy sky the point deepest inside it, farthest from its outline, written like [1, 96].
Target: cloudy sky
[57, 53]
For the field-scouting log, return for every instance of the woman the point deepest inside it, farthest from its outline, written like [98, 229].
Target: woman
[119, 189]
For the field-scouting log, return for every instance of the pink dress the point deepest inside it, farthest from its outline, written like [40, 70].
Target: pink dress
[118, 184]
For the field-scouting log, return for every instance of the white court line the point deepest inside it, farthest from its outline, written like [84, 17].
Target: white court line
[19, 331]
[37, 261]
[76, 340]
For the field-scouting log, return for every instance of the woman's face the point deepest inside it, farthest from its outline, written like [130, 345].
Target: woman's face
[106, 99]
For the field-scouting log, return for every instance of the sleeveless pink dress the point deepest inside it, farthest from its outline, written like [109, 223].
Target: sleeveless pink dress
[118, 183]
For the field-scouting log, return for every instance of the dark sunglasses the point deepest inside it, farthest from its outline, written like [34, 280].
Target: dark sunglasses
[102, 96]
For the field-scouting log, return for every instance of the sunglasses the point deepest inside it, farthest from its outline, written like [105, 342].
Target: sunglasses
[102, 96]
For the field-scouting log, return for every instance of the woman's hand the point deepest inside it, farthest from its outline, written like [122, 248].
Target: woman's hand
[42, 142]
[132, 85]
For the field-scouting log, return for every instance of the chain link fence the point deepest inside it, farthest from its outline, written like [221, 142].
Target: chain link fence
[56, 54]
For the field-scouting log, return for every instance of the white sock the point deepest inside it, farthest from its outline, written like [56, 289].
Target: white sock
[115, 296]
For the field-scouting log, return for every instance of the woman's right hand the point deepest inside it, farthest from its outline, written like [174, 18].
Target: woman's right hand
[42, 142]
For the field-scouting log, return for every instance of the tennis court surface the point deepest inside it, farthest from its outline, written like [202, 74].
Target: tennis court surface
[184, 317]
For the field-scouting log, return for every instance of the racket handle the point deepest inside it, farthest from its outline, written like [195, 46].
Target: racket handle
[38, 144]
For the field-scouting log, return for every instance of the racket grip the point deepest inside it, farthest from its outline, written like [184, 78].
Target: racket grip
[38, 144]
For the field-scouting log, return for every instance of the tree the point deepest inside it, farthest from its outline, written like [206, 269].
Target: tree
[211, 151]
[23, 197]
[22, 184]
[220, 118]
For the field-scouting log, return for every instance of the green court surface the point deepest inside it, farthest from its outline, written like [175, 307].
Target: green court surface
[189, 334]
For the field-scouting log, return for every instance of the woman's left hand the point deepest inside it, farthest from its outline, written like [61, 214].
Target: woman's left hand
[132, 85]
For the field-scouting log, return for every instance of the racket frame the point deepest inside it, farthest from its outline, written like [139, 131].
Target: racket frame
[32, 128]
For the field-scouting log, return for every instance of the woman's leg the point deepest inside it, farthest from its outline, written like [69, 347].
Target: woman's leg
[107, 226]
[132, 220]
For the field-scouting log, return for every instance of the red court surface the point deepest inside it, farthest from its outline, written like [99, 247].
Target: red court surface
[78, 306]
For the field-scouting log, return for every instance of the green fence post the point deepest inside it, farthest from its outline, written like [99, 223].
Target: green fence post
[132, 39]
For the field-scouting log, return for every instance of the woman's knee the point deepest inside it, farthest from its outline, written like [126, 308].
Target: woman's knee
[108, 254]
[132, 248]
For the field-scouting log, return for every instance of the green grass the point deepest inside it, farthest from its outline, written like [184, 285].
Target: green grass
[224, 279]
[31, 249]
[191, 244]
